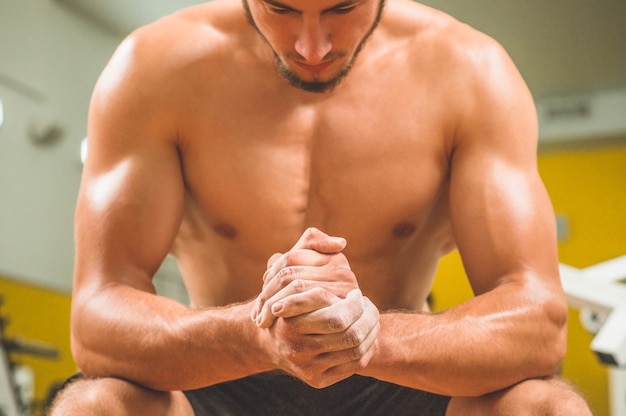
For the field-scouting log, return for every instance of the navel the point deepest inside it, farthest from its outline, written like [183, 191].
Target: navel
[225, 230]
[404, 230]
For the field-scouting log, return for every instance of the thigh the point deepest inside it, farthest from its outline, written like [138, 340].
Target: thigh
[110, 396]
[551, 396]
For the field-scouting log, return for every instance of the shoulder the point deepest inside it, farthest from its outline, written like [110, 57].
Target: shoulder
[467, 73]
[464, 67]
[440, 40]
[177, 48]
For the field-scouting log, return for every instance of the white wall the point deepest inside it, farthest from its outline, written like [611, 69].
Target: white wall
[50, 59]
[590, 117]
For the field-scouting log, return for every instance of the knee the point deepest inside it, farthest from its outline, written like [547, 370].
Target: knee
[105, 396]
[553, 397]
[560, 398]
[550, 397]
[90, 397]
[81, 396]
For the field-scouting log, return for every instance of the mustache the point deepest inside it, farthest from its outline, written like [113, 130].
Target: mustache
[331, 56]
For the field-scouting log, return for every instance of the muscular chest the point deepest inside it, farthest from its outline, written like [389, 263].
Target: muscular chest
[363, 168]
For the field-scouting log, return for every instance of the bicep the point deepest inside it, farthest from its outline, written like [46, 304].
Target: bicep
[502, 216]
[130, 202]
[503, 223]
[126, 219]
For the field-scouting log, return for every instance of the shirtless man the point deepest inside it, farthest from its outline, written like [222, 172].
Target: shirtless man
[224, 133]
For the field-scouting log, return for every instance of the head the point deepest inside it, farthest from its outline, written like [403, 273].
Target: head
[314, 42]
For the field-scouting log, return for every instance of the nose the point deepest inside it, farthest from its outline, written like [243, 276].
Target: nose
[313, 43]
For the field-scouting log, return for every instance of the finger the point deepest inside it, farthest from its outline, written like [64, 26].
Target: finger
[273, 259]
[274, 264]
[314, 239]
[280, 264]
[338, 281]
[265, 317]
[303, 303]
[308, 265]
[309, 294]
[295, 257]
[326, 351]
[256, 308]
[352, 360]
[354, 336]
[281, 274]
[335, 365]
[337, 317]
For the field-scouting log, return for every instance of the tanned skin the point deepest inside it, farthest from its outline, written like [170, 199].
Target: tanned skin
[399, 135]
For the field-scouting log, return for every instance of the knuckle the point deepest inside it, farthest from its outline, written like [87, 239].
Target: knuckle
[354, 337]
[299, 285]
[311, 375]
[321, 293]
[342, 259]
[345, 274]
[356, 353]
[308, 374]
[338, 322]
[315, 378]
[291, 258]
[292, 351]
[286, 276]
[318, 383]
[309, 235]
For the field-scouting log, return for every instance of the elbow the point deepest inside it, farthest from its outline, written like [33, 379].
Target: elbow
[84, 360]
[149, 364]
[78, 337]
[88, 339]
[96, 364]
[85, 357]
[553, 333]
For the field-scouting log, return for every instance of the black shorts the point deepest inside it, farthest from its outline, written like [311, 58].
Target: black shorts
[280, 394]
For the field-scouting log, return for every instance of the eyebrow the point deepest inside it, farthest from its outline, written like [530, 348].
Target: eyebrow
[346, 3]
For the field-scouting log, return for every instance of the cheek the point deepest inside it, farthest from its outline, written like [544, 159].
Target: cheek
[277, 36]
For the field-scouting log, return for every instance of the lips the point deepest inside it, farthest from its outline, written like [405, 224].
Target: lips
[315, 68]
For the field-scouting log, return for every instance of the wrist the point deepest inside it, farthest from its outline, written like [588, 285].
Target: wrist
[219, 344]
[390, 353]
[254, 347]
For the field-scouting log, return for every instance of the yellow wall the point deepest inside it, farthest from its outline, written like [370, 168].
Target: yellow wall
[588, 186]
[43, 316]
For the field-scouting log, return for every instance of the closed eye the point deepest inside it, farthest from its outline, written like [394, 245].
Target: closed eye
[343, 10]
[279, 10]
[276, 7]
[344, 7]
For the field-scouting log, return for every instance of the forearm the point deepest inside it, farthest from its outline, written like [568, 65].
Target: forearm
[156, 342]
[484, 345]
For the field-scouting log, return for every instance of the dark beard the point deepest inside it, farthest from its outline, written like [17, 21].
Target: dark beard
[314, 86]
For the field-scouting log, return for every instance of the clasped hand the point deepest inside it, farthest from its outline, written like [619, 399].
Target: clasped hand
[316, 323]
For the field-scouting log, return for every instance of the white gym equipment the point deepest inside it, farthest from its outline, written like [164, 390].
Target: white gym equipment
[599, 292]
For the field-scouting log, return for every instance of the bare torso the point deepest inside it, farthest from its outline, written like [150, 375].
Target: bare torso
[200, 148]
[262, 160]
